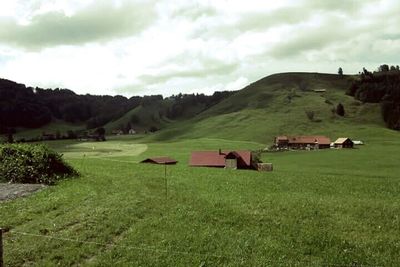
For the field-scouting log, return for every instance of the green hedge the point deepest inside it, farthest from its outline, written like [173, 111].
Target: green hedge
[24, 163]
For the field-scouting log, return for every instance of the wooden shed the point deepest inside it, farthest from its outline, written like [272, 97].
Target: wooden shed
[344, 142]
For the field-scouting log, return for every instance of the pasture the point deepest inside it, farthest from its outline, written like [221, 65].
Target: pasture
[317, 208]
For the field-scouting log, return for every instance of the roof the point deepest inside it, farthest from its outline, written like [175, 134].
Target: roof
[342, 140]
[321, 140]
[160, 160]
[281, 138]
[216, 159]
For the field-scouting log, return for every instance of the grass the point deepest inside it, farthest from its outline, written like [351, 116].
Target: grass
[51, 128]
[330, 207]
[317, 208]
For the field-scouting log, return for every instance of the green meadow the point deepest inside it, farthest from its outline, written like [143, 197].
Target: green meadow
[317, 208]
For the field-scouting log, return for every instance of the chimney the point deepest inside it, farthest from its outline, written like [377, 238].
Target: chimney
[219, 151]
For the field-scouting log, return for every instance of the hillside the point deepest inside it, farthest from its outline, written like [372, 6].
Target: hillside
[285, 103]
[277, 105]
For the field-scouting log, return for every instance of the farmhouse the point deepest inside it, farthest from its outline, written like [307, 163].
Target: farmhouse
[344, 142]
[221, 159]
[160, 160]
[302, 142]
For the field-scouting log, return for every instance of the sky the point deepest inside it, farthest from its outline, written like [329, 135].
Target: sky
[139, 47]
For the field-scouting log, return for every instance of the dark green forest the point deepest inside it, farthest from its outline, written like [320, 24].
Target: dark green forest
[381, 86]
[27, 107]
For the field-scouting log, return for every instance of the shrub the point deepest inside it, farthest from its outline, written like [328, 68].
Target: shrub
[24, 163]
[310, 115]
[340, 110]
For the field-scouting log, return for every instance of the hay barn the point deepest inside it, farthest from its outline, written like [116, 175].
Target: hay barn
[221, 159]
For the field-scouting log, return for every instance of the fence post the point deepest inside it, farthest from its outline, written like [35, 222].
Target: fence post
[1, 248]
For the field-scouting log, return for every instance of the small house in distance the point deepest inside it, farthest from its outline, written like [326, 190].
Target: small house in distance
[344, 142]
[221, 159]
[160, 160]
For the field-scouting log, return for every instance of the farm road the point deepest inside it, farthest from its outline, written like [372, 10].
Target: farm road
[11, 191]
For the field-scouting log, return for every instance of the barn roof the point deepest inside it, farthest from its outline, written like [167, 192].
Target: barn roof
[281, 138]
[342, 140]
[160, 160]
[321, 140]
[216, 159]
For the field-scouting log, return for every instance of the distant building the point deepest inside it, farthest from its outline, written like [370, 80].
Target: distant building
[358, 142]
[319, 90]
[117, 132]
[344, 142]
[131, 131]
[303, 142]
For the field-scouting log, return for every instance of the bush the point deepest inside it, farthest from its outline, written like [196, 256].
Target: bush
[24, 163]
[310, 115]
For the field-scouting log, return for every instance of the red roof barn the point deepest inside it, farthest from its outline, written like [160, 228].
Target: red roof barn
[222, 159]
[318, 141]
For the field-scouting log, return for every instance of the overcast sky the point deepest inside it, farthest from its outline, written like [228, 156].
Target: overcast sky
[134, 47]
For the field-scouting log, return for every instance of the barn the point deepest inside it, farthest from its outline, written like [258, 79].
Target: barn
[282, 141]
[303, 142]
[344, 142]
[221, 159]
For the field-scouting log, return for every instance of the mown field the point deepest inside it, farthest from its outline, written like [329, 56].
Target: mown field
[317, 208]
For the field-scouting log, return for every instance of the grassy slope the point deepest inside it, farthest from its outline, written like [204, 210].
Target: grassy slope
[333, 207]
[263, 110]
[317, 208]
[149, 116]
[53, 127]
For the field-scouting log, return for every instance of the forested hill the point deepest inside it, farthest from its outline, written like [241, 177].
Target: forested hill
[27, 107]
[382, 86]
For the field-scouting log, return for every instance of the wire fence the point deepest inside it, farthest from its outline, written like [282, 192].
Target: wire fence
[139, 248]
[230, 256]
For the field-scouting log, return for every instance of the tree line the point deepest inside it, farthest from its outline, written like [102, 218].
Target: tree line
[28, 107]
[381, 86]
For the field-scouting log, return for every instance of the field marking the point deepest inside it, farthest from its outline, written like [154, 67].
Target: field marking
[103, 149]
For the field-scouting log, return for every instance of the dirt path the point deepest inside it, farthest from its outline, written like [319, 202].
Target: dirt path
[11, 191]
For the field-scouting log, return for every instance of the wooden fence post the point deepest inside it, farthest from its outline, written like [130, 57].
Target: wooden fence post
[1, 248]
[166, 181]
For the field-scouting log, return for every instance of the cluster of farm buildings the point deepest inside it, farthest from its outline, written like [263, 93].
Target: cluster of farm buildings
[245, 159]
[240, 159]
[312, 142]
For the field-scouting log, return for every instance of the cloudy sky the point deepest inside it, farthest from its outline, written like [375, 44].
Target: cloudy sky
[136, 47]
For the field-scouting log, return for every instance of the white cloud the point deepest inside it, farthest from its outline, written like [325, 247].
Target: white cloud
[190, 45]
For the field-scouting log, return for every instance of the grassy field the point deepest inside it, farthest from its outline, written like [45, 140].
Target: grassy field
[317, 208]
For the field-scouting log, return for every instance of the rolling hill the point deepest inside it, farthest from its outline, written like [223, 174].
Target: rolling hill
[278, 104]
[285, 103]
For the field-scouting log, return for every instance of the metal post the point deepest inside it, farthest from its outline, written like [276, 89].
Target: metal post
[1, 248]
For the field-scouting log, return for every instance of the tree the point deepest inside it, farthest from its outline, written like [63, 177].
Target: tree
[340, 110]
[310, 115]
[383, 68]
[340, 72]
[100, 132]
